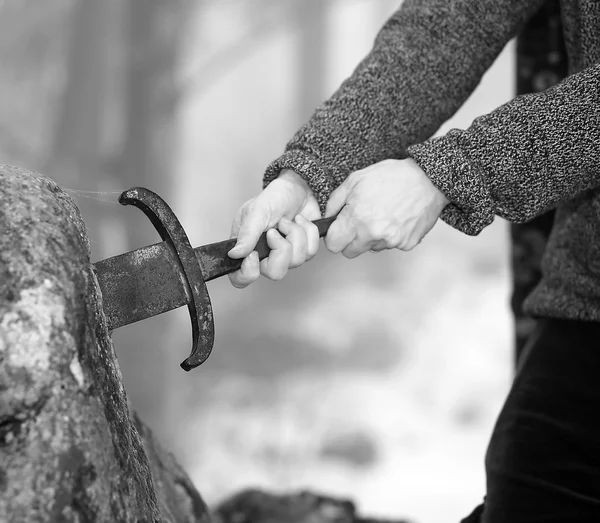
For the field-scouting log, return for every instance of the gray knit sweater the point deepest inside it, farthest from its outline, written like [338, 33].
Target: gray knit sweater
[536, 152]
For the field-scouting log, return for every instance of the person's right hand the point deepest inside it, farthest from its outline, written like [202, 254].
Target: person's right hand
[288, 204]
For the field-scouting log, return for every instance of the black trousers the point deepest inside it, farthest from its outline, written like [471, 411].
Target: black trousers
[543, 460]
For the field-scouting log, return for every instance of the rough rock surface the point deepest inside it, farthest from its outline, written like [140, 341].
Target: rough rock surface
[69, 450]
[178, 498]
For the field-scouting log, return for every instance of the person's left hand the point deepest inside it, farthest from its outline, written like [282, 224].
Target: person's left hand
[391, 204]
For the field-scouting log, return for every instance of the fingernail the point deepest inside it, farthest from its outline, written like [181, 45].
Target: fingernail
[236, 249]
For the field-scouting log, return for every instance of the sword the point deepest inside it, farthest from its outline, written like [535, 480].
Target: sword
[164, 276]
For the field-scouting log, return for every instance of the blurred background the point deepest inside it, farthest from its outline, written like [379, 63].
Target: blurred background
[376, 379]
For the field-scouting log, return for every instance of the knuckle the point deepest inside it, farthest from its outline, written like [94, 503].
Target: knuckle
[253, 273]
[296, 257]
[258, 206]
[275, 271]
[287, 247]
[377, 229]
[247, 207]
[298, 233]
[331, 245]
[296, 263]
[299, 253]
[276, 274]
[257, 210]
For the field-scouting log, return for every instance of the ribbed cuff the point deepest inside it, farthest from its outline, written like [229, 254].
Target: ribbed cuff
[309, 169]
[444, 162]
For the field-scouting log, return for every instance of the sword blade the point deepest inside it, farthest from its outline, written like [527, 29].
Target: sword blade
[145, 282]
[139, 284]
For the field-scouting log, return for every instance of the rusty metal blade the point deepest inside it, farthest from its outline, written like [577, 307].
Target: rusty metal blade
[143, 283]
[140, 284]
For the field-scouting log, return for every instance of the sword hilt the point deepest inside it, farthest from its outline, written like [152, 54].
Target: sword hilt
[229, 265]
[198, 301]
[191, 271]
[263, 249]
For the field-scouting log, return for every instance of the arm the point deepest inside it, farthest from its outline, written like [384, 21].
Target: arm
[426, 61]
[523, 158]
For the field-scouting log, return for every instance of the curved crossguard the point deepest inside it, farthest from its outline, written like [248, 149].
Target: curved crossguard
[198, 301]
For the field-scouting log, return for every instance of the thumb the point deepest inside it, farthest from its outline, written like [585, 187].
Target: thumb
[252, 222]
[338, 198]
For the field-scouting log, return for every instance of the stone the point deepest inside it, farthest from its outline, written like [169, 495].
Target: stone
[69, 448]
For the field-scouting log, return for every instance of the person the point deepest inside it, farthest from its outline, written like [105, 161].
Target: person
[366, 156]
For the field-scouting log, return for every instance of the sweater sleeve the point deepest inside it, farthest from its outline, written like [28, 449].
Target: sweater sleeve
[425, 62]
[525, 157]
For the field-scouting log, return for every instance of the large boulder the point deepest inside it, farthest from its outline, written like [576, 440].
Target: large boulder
[69, 450]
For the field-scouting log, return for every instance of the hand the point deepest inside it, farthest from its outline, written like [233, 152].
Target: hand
[288, 203]
[391, 204]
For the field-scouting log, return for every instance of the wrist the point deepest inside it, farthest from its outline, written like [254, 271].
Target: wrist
[287, 175]
[292, 176]
[441, 199]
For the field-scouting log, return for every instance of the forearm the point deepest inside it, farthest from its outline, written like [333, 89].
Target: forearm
[426, 61]
[525, 157]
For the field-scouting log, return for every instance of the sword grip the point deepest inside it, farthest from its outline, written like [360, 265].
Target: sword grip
[214, 260]
[263, 249]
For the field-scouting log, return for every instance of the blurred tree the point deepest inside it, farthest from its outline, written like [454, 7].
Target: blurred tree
[541, 63]
[77, 138]
[32, 46]
[311, 19]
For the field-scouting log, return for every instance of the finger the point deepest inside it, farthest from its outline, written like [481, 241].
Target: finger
[248, 272]
[276, 265]
[341, 232]
[358, 246]
[338, 198]
[311, 210]
[380, 245]
[296, 235]
[254, 219]
[312, 235]
[235, 226]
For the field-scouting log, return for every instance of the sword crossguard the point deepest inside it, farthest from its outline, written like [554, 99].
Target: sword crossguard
[198, 301]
